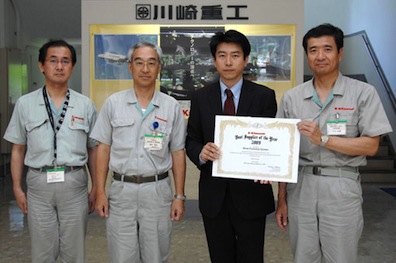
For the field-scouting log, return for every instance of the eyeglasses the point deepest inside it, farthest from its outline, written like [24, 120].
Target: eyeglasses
[139, 64]
[55, 62]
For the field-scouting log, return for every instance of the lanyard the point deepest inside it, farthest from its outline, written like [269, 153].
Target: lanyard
[51, 117]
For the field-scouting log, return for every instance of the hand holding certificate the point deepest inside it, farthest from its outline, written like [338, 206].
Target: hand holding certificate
[257, 148]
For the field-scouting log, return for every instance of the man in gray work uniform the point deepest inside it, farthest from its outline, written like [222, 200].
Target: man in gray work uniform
[342, 121]
[141, 133]
[49, 130]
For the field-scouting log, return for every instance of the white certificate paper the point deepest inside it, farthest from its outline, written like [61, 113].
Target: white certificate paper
[257, 148]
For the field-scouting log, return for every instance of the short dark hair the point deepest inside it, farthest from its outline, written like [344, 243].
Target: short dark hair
[56, 43]
[230, 36]
[325, 30]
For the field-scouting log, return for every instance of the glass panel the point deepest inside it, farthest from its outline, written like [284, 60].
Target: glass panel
[360, 62]
[17, 78]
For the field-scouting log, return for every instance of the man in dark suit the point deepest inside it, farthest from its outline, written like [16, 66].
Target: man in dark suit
[233, 210]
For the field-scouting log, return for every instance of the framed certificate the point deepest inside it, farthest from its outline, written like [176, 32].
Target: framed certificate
[257, 148]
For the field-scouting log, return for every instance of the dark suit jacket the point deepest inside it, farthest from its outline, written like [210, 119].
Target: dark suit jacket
[251, 199]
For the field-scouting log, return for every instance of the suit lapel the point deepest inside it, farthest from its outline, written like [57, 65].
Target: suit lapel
[215, 99]
[245, 99]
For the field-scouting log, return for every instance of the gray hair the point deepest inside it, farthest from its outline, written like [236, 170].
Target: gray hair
[156, 48]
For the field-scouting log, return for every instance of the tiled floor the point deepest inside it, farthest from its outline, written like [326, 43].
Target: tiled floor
[189, 244]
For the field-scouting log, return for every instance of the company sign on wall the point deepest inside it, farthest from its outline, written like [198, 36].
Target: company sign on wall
[272, 26]
[191, 12]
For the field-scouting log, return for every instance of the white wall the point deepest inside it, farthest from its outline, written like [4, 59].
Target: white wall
[8, 24]
[377, 18]
[44, 19]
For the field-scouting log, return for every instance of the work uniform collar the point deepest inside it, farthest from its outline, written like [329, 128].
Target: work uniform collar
[132, 99]
[338, 88]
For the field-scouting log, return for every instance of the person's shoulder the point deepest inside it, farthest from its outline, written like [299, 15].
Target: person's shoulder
[31, 96]
[257, 87]
[165, 97]
[213, 87]
[298, 91]
[79, 95]
[252, 83]
[81, 98]
[114, 99]
[357, 89]
[119, 95]
[355, 83]
[302, 86]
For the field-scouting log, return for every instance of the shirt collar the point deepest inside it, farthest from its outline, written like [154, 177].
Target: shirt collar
[131, 97]
[339, 86]
[338, 89]
[236, 89]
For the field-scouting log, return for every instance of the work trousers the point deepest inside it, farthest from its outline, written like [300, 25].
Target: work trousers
[325, 218]
[57, 216]
[139, 226]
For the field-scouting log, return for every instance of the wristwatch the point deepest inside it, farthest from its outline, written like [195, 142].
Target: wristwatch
[323, 140]
[181, 197]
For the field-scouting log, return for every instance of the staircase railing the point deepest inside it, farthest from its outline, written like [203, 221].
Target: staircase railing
[359, 58]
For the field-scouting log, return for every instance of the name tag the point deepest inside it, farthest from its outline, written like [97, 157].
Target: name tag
[56, 175]
[153, 141]
[336, 127]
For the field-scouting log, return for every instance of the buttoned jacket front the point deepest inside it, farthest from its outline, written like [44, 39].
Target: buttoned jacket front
[121, 125]
[353, 101]
[30, 126]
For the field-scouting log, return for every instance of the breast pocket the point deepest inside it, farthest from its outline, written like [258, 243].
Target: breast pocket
[352, 128]
[123, 133]
[165, 132]
[40, 136]
[78, 137]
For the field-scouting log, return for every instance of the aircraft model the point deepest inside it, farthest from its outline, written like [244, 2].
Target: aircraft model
[114, 58]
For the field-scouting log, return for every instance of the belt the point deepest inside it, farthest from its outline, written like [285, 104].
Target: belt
[139, 179]
[67, 168]
[347, 172]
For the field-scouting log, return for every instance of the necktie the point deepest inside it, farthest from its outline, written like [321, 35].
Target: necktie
[229, 106]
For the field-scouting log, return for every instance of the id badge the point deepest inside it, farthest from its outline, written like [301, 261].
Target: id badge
[153, 141]
[336, 127]
[56, 175]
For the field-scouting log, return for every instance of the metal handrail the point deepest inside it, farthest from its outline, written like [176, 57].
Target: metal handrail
[379, 70]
